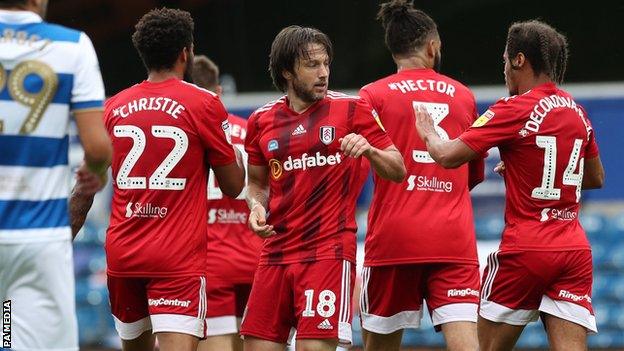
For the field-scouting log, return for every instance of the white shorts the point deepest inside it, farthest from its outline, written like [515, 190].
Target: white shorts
[38, 278]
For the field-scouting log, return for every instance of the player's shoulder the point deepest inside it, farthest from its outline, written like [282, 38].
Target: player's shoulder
[197, 91]
[58, 33]
[379, 84]
[112, 101]
[338, 96]
[267, 110]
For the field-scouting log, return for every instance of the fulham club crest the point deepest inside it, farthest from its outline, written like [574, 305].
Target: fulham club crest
[327, 134]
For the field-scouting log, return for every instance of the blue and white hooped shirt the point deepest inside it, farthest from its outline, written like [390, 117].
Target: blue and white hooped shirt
[47, 71]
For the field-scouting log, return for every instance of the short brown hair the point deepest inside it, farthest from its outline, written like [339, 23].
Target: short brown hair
[290, 44]
[205, 72]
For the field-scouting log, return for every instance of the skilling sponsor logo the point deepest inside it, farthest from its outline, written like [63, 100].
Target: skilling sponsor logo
[225, 216]
[424, 183]
[560, 215]
[148, 210]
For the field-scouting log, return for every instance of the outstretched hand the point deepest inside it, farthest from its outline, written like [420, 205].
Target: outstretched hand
[424, 122]
[257, 222]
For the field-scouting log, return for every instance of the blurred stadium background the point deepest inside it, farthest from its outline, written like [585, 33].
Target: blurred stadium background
[237, 34]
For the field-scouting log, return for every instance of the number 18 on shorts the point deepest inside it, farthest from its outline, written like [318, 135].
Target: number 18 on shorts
[314, 298]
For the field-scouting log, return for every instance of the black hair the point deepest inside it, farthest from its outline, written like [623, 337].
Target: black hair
[11, 3]
[543, 46]
[290, 44]
[160, 36]
[406, 28]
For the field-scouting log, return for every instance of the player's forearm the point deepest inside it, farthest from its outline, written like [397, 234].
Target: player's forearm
[388, 164]
[444, 152]
[257, 194]
[79, 206]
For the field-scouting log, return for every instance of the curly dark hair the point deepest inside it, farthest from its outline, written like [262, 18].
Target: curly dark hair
[407, 28]
[160, 36]
[290, 44]
[544, 47]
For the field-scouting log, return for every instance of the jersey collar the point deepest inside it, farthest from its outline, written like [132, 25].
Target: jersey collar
[19, 17]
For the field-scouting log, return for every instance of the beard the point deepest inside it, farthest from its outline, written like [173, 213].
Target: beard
[188, 71]
[437, 62]
[304, 93]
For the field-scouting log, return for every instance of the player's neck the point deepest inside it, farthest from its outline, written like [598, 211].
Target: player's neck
[297, 104]
[161, 76]
[532, 81]
[411, 62]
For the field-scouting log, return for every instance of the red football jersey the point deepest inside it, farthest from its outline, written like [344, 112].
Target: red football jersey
[543, 137]
[233, 249]
[164, 137]
[427, 217]
[313, 186]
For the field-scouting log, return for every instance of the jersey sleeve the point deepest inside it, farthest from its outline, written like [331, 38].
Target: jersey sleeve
[366, 122]
[497, 126]
[88, 88]
[214, 129]
[252, 143]
[591, 150]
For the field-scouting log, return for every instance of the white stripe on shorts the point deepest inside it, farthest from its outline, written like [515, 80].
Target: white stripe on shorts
[364, 290]
[345, 304]
[201, 313]
[493, 269]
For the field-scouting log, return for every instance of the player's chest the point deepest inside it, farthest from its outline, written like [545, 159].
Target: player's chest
[304, 135]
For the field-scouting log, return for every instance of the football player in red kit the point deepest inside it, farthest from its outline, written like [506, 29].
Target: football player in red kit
[305, 152]
[548, 147]
[233, 249]
[166, 134]
[420, 243]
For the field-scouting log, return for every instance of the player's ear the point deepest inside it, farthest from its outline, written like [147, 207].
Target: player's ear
[432, 48]
[184, 55]
[219, 90]
[518, 61]
[287, 75]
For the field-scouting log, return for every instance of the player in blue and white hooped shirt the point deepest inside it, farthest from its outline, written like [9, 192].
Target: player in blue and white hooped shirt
[47, 72]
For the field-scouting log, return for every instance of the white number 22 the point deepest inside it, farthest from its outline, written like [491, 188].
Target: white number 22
[547, 190]
[159, 179]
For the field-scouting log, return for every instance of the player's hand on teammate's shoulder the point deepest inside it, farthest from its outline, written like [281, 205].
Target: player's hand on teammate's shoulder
[257, 222]
[354, 145]
[87, 182]
[424, 122]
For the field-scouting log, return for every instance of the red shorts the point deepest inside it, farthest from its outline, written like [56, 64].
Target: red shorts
[314, 298]
[175, 305]
[518, 285]
[392, 296]
[226, 304]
